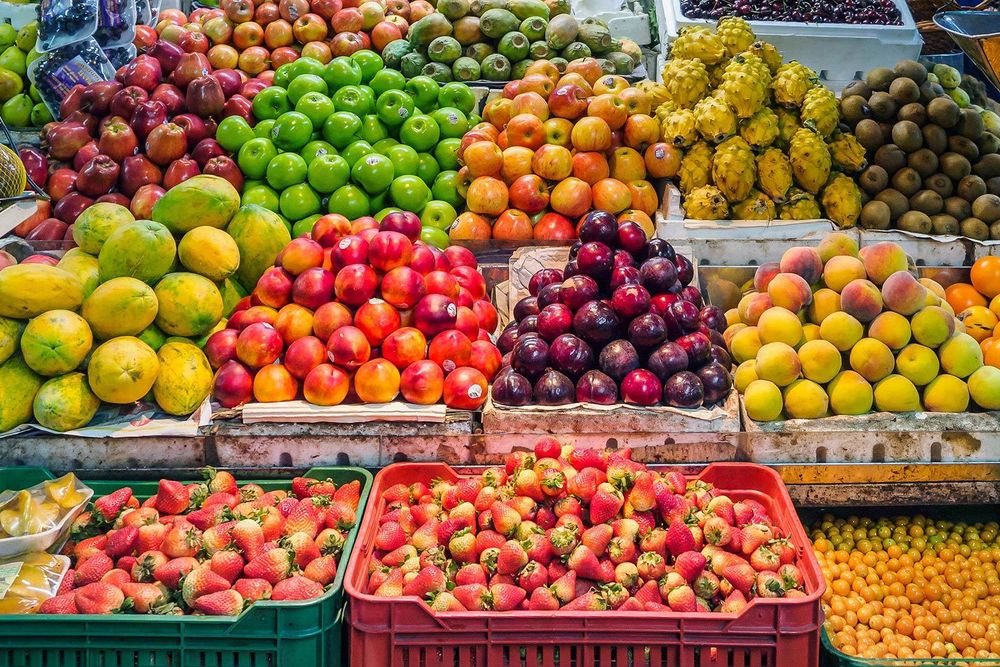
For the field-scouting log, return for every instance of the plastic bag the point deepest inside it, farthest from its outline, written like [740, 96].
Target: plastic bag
[28, 580]
[115, 23]
[119, 56]
[55, 73]
[143, 12]
[40, 507]
[63, 22]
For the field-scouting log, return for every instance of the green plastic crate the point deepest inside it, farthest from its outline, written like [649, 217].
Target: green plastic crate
[831, 657]
[267, 634]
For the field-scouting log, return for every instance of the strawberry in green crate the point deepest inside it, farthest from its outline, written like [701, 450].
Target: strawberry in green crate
[206, 548]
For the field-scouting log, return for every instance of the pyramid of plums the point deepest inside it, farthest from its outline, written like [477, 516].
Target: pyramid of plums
[621, 322]
[838, 330]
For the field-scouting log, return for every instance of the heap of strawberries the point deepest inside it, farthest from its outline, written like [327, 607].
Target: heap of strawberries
[579, 530]
[205, 548]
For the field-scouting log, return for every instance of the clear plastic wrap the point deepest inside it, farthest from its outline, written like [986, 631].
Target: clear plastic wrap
[120, 56]
[64, 22]
[59, 70]
[36, 518]
[28, 580]
[115, 23]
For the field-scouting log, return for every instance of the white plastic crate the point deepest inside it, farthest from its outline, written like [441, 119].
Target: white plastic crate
[838, 52]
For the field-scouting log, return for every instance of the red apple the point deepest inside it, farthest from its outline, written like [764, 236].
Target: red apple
[194, 128]
[137, 170]
[167, 55]
[65, 139]
[166, 143]
[205, 150]
[147, 115]
[98, 176]
[144, 199]
[171, 96]
[179, 171]
[126, 100]
[190, 67]
[145, 71]
[69, 208]
[86, 153]
[221, 347]
[97, 96]
[61, 182]
[224, 167]
[303, 355]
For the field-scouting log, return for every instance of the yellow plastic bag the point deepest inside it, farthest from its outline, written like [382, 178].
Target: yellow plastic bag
[28, 580]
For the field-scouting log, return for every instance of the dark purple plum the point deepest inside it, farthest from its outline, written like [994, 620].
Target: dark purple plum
[542, 278]
[675, 288]
[657, 274]
[511, 388]
[527, 325]
[685, 269]
[554, 320]
[573, 250]
[596, 387]
[624, 275]
[716, 382]
[507, 338]
[630, 301]
[684, 315]
[692, 294]
[683, 390]
[647, 332]
[698, 348]
[599, 226]
[658, 304]
[572, 269]
[578, 290]
[530, 357]
[596, 260]
[623, 258]
[716, 338]
[554, 388]
[666, 360]
[570, 355]
[660, 248]
[596, 323]
[550, 294]
[632, 238]
[618, 359]
[505, 361]
[713, 318]
[719, 355]
[641, 387]
[526, 306]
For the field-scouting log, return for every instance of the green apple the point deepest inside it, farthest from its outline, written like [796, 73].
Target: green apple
[263, 129]
[387, 79]
[445, 188]
[342, 71]
[369, 62]
[341, 128]
[446, 153]
[427, 168]
[438, 214]
[261, 195]
[373, 130]
[286, 170]
[233, 132]
[356, 151]
[451, 121]
[457, 95]
[306, 66]
[373, 172]
[349, 201]
[299, 201]
[385, 211]
[315, 148]
[327, 173]
[420, 132]
[383, 145]
[377, 202]
[305, 83]
[435, 237]
[424, 91]
[353, 99]
[270, 103]
[404, 158]
[316, 106]
[292, 130]
[409, 193]
[254, 157]
[305, 225]
[394, 107]
[283, 75]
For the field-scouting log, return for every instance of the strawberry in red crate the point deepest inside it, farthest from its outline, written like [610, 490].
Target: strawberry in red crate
[579, 530]
[207, 548]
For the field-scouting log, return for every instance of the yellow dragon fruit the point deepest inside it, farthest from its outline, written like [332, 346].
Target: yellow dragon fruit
[656, 92]
[742, 87]
[774, 173]
[810, 160]
[686, 82]
[791, 83]
[757, 206]
[761, 129]
[700, 43]
[788, 125]
[678, 128]
[735, 33]
[799, 205]
[820, 110]
[706, 203]
[768, 53]
[734, 170]
[715, 121]
[842, 201]
[696, 167]
[847, 152]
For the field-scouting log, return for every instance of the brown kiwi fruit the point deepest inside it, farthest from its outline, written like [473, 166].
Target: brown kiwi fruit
[925, 161]
[856, 87]
[868, 134]
[988, 143]
[904, 90]
[935, 138]
[975, 228]
[943, 111]
[963, 146]
[970, 124]
[995, 231]
[883, 106]
[955, 166]
[854, 109]
[993, 185]
[911, 69]
[971, 188]
[875, 215]
[944, 225]
[914, 221]
[988, 166]
[896, 200]
[940, 184]
[930, 91]
[873, 180]
[927, 201]
[907, 181]
[914, 112]
[880, 78]
[891, 158]
[886, 127]
[986, 208]
[957, 208]
[906, 134]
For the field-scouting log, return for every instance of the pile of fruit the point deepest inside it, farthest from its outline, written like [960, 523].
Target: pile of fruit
[978, 305]
[910, 587]
[386, 142]
[620, 316]
[935, 160]
[556, 146]
[364, 311]
[20, 102]
[874, 335]
[579, 530]
[760, 137]
[207, 548]
[498, 41]
[867, 12]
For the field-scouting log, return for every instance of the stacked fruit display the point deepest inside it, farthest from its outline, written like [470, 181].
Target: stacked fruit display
[974, 298]
[579, 530]
[935, 163]
[928, 592]
[555, 147]
[874, 335]
[497, 41]
[386, 142]
[365, 311]
[867, 12]
[20, 102]
[760, 137]
[621, 315]
[207, 548]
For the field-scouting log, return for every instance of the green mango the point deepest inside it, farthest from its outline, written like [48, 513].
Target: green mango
[16, 111]
[27, 36]
[10, 84]
[7, 35]
[13, 59]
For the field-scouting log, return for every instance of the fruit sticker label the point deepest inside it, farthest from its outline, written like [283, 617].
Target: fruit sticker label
[8, 573]
[72, 72]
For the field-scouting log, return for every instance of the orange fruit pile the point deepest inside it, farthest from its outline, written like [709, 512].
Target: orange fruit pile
[977, 306]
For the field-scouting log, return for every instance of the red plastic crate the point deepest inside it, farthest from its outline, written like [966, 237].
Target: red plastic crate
[404, 632]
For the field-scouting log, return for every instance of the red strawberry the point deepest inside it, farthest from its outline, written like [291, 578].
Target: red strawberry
[590, 601]
[227, 563]
[272, 566]
[717, 531]
[220, 481]
[201, 581]
[512, 558]
[547, 448]
[614, 594]
[248, 536]
[568, 505]
[110, 506]
[651, 565]
[563, 540]
[734, 603]
[150, 537]
[222, 603]
[764, 559]
[322, 570]
[648, 592]
[390, 536]
[463, 547]
[300, 486]
[641, 497]
[428, 580]
[330, 542]
[654, 541]
[68, 582]
[98, 598]
[532, 576]
[682, 598]
[322, 487]
[669, 582]
[445, 601]
[207, 517]
[722, 507]
[303, 519]
[527, 483]
[145, 597]
[706, 585]
[505, 518]
[676, 481]
[60, 604]
[397, 493]
[340, 514]
[182, 539]
[122, 542]
[538, 548]
[740, 574]
[784, 549]
[474, 597]
[621, 550]
[93, 569]
[565, 587]
[769, 585]
[145, 564]
[755, 535]
[689, 565]
[473, 573]
[632, 604]
[587, 458]
[296, 588]
[253, 589]
[433, 532]
[116, 577]
[217, 538]
[172, 497]
[742, 514]
[584, 484]
[303, 548]
[170, 573]
[486, 539]
[552, 482]
[488, 559]
[543, 599]
[506, 597]
[597, 538]
[679, 538]
[584, 562]
[627, 574]
[349, 493]
[791, 577]
[518, 461]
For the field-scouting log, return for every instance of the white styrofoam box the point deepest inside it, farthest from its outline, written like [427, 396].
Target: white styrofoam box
[627, 25]
[838, 52]
[18, 15]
